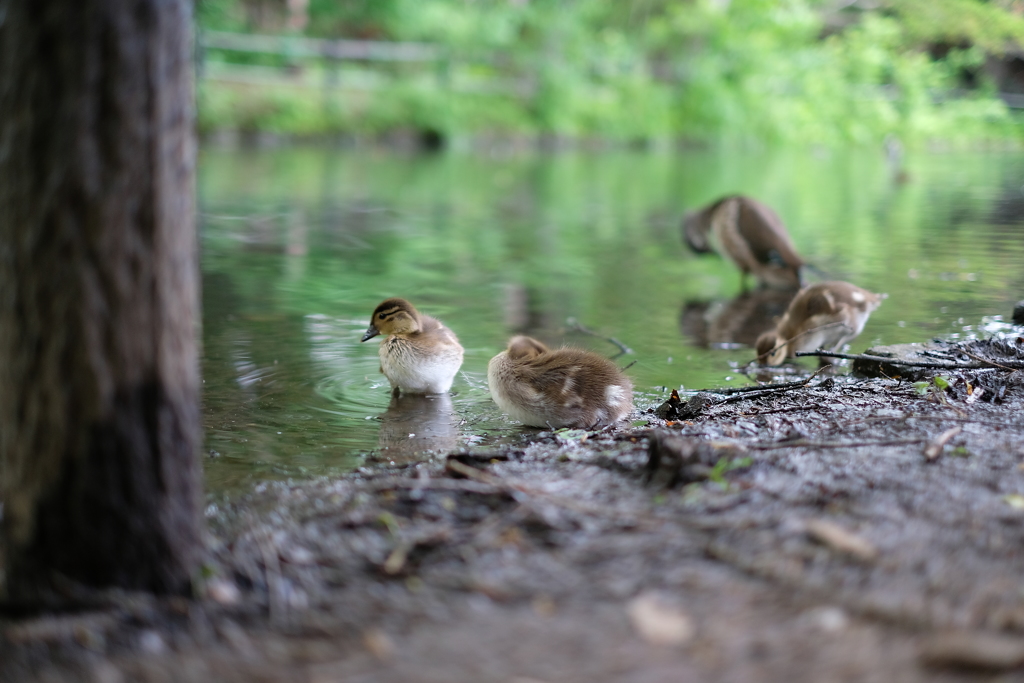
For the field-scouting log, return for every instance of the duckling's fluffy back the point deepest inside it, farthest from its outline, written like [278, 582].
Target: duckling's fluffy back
[564, 387]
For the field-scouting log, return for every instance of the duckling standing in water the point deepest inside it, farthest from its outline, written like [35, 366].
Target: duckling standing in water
[751, 235]
[825, 315]
[564, 387]
[420, 355]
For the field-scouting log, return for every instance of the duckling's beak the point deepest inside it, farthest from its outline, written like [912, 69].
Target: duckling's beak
[371, 332]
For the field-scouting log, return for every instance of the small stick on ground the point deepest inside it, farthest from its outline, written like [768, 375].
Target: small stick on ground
[802, 443]
[741, 393]
[838, 538]
[768, 387]
[986, 360]
[576, 326]
[791, 409]
[934, 449]
[913, 364]
[939, 418]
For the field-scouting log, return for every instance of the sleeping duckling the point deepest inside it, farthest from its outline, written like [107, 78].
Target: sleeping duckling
[420, 355]
[564, 387]
[825, 315]
[751, 235]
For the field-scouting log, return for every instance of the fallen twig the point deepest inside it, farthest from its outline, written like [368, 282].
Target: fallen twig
[803, 443]
[940, 418]
[838, 538]
[575, 325]
[986, 360]
[767, 388]
[932, 450]
[56, 628]
[911, 363]
[433, 484]
[791, 409]
[972, 650]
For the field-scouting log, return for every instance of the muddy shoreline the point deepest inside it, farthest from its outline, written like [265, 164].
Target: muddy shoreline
[849, 529]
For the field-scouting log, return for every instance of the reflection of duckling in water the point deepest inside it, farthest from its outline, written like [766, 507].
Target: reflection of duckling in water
[564, 387]
[751, 235]
[737, 322]
[825, 316]
[420, 355]
[415, 424]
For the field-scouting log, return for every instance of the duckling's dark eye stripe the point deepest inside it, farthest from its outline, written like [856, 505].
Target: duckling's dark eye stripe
[390, 311]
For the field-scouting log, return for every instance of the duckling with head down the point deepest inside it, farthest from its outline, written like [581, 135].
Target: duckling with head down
[420, 355]
[825, 315]
[751, 235]
[563, 387]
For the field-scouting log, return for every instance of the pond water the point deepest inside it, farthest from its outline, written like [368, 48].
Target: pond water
[299, 245]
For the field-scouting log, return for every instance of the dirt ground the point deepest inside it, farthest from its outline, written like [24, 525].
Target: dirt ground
[850, 529]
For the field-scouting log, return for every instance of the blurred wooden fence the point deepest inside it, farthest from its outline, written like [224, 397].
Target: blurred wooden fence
[371, 57]
[296, 47]
[315, 62]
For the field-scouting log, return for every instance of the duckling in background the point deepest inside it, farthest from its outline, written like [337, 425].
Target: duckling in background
[420, 355]
[563, 387]
[751, 235]
[825, 315]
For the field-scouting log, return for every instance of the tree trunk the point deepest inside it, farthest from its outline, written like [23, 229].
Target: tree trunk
[99, 382]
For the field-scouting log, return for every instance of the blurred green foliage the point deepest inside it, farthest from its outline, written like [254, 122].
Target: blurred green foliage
[645, 71]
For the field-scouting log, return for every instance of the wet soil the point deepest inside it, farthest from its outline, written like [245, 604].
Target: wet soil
[850, 529]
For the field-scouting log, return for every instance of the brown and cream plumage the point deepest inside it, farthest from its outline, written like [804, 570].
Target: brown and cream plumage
[750, 234]
[420, 355]
[564, 387]
[825, 316]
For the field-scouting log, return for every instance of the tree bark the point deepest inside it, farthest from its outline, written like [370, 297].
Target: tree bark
[99, 381]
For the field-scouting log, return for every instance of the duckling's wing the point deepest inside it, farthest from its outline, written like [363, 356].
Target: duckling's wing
[435, 329]
[549, 372]
[766, 234]
[568, 372]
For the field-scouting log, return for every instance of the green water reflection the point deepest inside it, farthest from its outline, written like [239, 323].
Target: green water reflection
[299, 245]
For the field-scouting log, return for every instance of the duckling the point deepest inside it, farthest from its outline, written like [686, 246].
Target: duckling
[751, 235]
[824, 315]
[563, 387]
[420, 355]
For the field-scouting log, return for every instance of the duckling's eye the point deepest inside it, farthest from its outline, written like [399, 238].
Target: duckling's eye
[382, 316]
